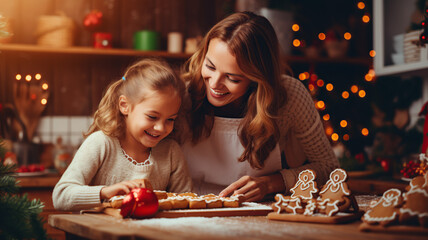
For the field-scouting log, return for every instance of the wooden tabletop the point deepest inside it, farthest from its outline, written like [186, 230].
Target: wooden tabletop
[102, 226]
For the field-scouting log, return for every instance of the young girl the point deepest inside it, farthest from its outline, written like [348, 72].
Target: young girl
[125, 141]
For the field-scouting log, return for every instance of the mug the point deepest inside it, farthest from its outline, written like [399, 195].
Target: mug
[146, 40]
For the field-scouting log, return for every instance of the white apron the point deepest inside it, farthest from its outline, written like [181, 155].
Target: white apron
[213, 162]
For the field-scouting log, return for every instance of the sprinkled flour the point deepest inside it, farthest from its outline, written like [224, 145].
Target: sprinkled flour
[231, 226]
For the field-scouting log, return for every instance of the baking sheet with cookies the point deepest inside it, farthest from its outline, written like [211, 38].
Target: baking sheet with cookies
[246, 209]
[172, 205]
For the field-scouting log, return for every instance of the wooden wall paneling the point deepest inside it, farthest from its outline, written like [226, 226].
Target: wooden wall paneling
[111, 16]
[27, 18]
[77, 10]
[103, 73]
[72, 87]
[134, 15]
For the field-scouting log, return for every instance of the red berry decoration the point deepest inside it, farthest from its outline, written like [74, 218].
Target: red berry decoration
[139, 203]
[409, 169]
[93, 20]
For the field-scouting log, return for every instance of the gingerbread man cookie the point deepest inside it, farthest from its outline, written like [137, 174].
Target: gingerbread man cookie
[334, 194]
[302, 192]
[385, 211]
[305, 187]
[415, 209]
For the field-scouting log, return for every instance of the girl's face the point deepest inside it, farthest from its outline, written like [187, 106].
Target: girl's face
[151, 120]
[224, 80]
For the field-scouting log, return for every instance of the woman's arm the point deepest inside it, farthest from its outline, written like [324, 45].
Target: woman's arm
[255, 188]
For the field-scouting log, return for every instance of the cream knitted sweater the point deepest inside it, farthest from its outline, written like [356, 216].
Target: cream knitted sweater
[303, 143]
[100, 162]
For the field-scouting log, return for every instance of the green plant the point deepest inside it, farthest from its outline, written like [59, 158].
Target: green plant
[19, 216]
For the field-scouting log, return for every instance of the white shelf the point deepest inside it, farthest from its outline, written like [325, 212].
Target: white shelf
[395, 14]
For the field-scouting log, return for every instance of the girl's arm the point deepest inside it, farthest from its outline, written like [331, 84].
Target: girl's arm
[73, 192]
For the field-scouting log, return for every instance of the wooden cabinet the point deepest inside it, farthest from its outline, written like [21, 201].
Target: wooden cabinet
[41, 188]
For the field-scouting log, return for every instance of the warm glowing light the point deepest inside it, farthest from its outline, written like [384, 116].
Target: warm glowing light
[302, 76]
[372, 53]
[343, 123]
[320, 83]
[365, 132]
[321, 36]
[334, 137]
[33, 96]
[345, 94]
[347, 36]
[372, 72]
[354, 88]
[306, 75]
[28, 78]
[362, 93]
[311, 87]
[329, 87]
[38, 76]
[329, 131]
[320, 105]
[295, 27]
[45, 86]
[314, 77]
[361, 5]
[296, 42]
[326, 117]
[368, 77]
[346, 137]
[44, 101]
[366, 19]
[18, 77]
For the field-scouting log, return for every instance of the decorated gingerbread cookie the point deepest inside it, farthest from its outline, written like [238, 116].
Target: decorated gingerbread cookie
[386, 210]
[302, 192]
[415, 209]
[306, 187]
[334, 196]
[287, 204]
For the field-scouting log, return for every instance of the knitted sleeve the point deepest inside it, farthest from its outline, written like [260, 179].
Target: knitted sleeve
[72, 192]
[302, 120]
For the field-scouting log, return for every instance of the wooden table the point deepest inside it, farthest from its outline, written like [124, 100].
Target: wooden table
[102, 226]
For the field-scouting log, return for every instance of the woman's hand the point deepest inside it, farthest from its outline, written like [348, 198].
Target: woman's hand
[121, 188]
[255, 188]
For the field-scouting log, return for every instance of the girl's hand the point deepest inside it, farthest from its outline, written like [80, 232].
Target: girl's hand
[121, 188]
[255, 188]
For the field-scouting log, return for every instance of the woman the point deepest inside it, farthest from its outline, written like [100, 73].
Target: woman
[250, 129]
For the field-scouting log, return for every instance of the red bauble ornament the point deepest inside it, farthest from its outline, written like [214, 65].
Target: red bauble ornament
[139, 203]
[93, 20]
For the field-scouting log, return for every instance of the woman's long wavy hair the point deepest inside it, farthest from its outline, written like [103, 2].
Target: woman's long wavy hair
[253, 41]
[144, 75]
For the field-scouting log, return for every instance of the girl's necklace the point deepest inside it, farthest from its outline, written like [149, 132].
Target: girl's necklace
[133, 161]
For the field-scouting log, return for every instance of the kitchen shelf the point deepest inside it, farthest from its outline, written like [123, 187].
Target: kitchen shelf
[29, 48]
[90, 51]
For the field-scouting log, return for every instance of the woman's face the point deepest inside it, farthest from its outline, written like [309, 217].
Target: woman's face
[225, 83]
